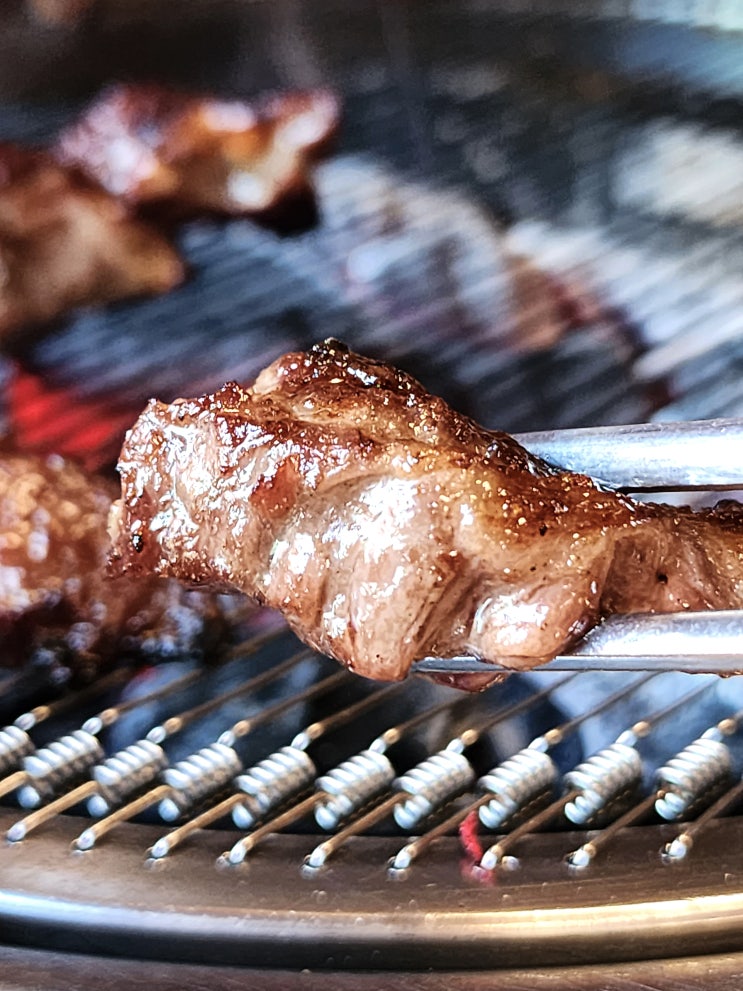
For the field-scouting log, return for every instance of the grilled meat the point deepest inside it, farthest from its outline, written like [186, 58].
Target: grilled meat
[387, 527]
[54, 594]
[59, 13]
[187, 154]
[64, 242]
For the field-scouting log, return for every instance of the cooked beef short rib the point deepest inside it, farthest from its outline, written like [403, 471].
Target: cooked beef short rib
[64, 242]
[181, 155]
[387, 527]
[55, 596]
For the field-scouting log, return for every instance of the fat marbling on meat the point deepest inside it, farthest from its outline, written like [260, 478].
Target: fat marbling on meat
[55, 596]
[387, 527]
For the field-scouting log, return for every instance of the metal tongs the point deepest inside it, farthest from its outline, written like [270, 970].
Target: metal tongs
[704, 455]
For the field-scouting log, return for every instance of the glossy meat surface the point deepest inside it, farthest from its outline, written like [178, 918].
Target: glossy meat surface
[54, 592]
[190, 154]
[64, 243]
[387, 527]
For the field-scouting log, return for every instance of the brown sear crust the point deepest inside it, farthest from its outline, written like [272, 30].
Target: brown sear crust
[387, 527]
[64, 242]
[54, 592]
[184, 154]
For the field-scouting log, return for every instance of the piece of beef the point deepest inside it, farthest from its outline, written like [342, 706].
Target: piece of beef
[64, 242]
[387, 527]
[59, 13]
[185, 154]
[54, 591]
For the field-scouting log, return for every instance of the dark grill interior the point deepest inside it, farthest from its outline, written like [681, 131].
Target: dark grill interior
[537, 213]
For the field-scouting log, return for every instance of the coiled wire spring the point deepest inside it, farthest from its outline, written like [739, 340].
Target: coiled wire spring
[430, 785]
[124, 773]
[604, 782]
[351, 785]
[63, 762]
[692, 776]
[197, 777]
[271, 782]
[515, 784]
[15, 744]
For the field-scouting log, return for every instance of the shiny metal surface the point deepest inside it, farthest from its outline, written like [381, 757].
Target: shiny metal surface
[352, 914]
[180, 897]
[698, 454]
[706, 642]
[27, 970]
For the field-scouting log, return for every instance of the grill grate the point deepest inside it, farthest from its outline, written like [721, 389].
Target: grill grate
[413, 781]
[141, 774]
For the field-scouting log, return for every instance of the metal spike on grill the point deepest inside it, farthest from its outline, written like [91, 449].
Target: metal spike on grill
[37, 774]
[594, 791]
[680, 847]
[520, 783]
[279, 777]
[209, 770]
[46, 771]
[689, 780]
[349, 787]
[427, 787]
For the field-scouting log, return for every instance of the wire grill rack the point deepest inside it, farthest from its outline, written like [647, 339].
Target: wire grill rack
[360, 796]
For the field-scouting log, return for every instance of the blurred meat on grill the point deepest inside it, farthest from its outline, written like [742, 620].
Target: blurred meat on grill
[59, 13]
[387, 527]
[64, 243]
[185, 155]
[418, 275]
[54, 592]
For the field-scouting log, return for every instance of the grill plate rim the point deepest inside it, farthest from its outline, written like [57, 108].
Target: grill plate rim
[608, 914]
